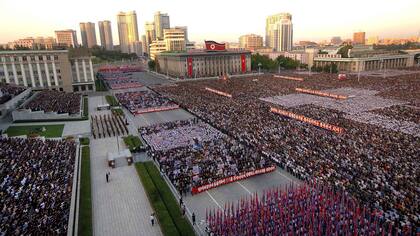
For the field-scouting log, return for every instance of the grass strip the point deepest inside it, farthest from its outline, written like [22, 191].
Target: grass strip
[85, 201]
[164, 218]
[182, 224]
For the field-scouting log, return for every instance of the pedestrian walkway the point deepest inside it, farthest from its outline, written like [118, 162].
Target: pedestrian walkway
[120, 207]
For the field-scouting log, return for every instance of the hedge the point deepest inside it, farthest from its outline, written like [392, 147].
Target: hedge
[84, 141]
[85, 108]
[182, 224]
[164, 218]
[112, 101]
[133, 142]
[85, 201]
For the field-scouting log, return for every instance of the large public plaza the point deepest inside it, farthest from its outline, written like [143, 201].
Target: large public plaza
[306, 152]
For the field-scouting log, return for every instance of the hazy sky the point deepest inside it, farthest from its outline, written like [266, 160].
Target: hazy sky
[221, 20]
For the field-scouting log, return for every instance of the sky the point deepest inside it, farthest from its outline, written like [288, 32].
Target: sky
[220, 20]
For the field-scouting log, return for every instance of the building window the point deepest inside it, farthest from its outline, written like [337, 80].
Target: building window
[48, 57]
[40, 58]
[32, 58]
[24, 58]
[56, 57]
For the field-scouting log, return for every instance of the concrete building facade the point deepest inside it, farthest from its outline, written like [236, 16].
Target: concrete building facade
[66, 38]
[105, 33]
[88, 33]
[279, 32]
[359, 37]
[251, 41]
[46, 70]
[127, 30]
[161, 22]
[150, 35]
[204, 64]
[379, 62]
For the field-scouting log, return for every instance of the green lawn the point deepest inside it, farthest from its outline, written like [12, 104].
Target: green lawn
[163, 202]
[133, 142]
[112, 101]
[85, 201]
[52, 131]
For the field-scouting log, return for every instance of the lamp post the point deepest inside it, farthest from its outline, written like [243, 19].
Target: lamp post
[259, 68]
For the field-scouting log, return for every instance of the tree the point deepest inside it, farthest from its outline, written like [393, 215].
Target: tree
[287, 63]
[344, 50]
[265, 61]
[322, 52]
[152, 65]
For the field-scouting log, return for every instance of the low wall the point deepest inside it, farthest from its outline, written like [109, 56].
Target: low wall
[28, 115]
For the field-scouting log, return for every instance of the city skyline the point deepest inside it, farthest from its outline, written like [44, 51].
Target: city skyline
[315, 21]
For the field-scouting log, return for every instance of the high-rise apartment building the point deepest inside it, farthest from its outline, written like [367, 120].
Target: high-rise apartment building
[359, 37]
[161, 22]
[279, 32]
[372, 40]
[150, 35]
[127, 30]
[88, 33]
[175, 38]
[105, 33]
[66, 38]
[250, 41]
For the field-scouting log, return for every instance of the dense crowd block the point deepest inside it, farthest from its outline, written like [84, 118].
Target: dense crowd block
[35, 184]
[55, 101]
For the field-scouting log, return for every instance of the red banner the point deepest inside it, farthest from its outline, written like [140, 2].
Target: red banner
[190, 66]
[243, 63]
[307, 120]
[219, 92]
[213, 46]
[288, 77]
[154, 109]
[319, 93]
[232, 179]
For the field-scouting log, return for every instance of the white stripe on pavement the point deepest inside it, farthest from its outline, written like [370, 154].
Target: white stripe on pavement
[214, 200]
[244, 188]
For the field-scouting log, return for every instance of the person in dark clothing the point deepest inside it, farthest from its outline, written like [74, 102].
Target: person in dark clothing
[193, 218]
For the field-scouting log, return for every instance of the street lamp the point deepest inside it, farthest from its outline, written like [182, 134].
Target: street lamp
[279, 66]
[259, 68]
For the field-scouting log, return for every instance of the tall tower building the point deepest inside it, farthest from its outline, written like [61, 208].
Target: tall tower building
[150, 35]
[279, 32]
[128, 32]
[359, 37]
[105, 33]
[175, 38]
[66, 38]
[161, 23]
[88, 33]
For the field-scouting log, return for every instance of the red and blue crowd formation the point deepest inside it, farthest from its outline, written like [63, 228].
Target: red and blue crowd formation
[118, 77]
[8, 91]
[55, 101]
[309, 209]
[144, 101]
[35, 186]
[376, 165]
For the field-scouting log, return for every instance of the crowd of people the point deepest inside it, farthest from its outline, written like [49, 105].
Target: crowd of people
[8, 91]
[305, 210]
[123, 83]
[35, 186]
[144, 101]
[55, 101]
[178, 134]
[202, 160]
[378, 166]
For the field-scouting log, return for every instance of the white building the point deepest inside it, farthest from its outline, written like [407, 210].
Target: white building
[279, 32]
[47, 70]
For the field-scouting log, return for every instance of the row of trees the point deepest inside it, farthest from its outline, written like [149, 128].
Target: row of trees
[266, 63]
[103, 55]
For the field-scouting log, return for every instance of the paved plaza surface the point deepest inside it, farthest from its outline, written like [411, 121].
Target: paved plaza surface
[120, 207]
